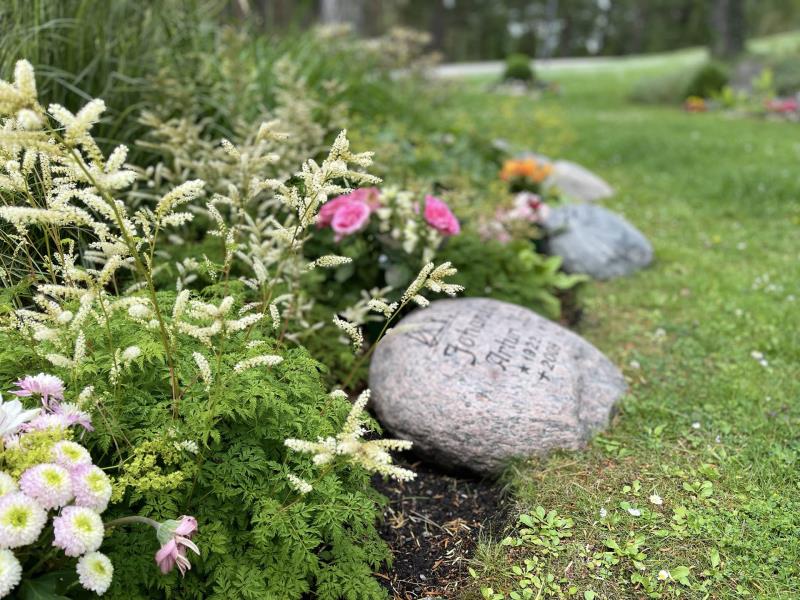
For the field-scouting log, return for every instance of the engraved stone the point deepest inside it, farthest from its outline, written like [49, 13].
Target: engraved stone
[577, 182]
[475, 382]
[595, 241]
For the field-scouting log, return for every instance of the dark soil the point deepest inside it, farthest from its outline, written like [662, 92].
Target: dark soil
[432, 525]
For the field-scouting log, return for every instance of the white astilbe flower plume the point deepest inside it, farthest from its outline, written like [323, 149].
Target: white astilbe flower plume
[204, 369]
[329, 261]
[432, 278]
[372, 455]
[21, 94]
[382, 306]
[275, 315]
[266, 360]
[352, 331]
[298, 484]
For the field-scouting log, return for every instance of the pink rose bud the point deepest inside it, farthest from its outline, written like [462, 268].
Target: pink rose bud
[440, 217]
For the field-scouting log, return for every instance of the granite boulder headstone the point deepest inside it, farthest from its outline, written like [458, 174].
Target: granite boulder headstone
[595, 241]
[476, 382]
[577, 182]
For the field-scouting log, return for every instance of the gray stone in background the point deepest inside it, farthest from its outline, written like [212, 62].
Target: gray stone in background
[475, 382]
[540, 158]
[577, 182]
[595, 241]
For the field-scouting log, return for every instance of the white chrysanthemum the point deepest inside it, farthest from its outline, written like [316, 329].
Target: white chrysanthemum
[7, 484]
[10, 572]
[78, 530]
[21, 520]
[92, 487]
[70, 455]
[95, 572]
[49, 484]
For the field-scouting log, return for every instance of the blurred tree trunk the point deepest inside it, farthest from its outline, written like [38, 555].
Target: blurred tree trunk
[727, 28]
[342, 11]
[438, 25]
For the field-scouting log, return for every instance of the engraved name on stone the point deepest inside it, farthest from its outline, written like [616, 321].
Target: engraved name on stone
[516, 350]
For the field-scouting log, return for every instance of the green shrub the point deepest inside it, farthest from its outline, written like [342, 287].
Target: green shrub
[786, 71]
[707, 81]
[674, 87]
[518, 68]
[667, 88]
[513, 272]
[226, 464]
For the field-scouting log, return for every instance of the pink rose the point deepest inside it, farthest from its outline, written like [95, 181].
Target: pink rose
[440, 217]
[369, 196]
[329, 209]
[350, 218]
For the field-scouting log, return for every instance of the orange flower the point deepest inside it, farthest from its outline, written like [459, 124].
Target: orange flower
[527, 168]
[695, 104]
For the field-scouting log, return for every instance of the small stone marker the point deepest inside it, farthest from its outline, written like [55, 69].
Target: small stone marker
[595, 241]
[577, 182]
[475, 382]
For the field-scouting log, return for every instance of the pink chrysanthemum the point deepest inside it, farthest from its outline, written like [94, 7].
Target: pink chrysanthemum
[92, 487]
[73, 415]
[48, 484]
[21, 520]
[49, 387]
[78, 530]
[70, 455]
[175, 537]
[95, 572]
[63, 416]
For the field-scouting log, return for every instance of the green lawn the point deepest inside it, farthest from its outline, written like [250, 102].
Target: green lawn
[708, 426]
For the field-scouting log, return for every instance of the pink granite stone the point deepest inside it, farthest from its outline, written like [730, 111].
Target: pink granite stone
[475, 382]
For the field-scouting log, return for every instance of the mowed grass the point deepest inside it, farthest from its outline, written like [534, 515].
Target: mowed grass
[709, 340]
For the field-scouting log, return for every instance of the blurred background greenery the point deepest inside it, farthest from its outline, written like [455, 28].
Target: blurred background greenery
[491, 29]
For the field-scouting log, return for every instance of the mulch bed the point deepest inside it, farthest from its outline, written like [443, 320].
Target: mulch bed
[432, 525]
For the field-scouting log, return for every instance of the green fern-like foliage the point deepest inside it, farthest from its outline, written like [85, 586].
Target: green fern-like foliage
[513, 272]
[222, 459]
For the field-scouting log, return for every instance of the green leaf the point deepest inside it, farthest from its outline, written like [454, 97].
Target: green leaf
[681, 574]
[714, 555]
[42, 588]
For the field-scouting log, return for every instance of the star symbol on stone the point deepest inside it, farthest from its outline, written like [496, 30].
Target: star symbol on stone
[524, 368]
